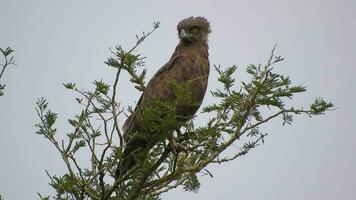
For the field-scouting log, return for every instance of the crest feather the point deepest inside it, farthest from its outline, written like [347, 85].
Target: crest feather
[195, 21]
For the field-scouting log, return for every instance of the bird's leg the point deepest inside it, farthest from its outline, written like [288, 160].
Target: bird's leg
[174, 145]
[175, 162]
[172, 142]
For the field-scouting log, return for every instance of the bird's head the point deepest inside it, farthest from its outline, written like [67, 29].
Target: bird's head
[193, 29]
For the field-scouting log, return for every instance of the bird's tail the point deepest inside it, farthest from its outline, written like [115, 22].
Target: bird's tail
[126, 163]
[134, 153]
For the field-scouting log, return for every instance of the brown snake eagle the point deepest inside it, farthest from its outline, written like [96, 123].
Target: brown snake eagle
[188, 64]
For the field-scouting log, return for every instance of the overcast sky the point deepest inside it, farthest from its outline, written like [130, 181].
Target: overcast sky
[68, 41]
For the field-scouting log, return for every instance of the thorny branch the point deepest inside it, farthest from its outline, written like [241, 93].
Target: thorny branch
[9, 60]
[235, 118]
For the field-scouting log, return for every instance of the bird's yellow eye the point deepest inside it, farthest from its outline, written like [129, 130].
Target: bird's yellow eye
[194, 30]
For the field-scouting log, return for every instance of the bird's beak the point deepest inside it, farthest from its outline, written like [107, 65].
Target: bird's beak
[183, 34]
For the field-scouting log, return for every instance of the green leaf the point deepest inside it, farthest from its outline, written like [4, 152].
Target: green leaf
[249, 145]
[156, 24]
[130, 60]
[287, 118]
[253, 132]
[218, 93]
[112, 63]
[79, 100]
[50, 118]
[7, 51]
[297, 89]
[226, 76]
[211, 108]
[78, 145]
[101, 87]
[192, 183]
[2, 88]
[73, 136]
[41, 197]
[42, 103]
[69, 86]
[320, 106]
[73, 122]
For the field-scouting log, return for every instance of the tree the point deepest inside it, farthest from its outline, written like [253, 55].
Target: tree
[9, 60]
[236, 119]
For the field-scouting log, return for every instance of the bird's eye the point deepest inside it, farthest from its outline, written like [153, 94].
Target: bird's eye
[194, 30]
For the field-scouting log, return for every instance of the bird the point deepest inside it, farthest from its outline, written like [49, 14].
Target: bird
[189, 64]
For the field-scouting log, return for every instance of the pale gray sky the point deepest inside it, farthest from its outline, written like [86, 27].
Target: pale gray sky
[64, 41]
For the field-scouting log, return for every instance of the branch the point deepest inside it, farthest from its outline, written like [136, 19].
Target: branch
[8, 61]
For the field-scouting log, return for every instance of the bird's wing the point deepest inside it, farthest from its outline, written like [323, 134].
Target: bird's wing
[129, 121]
[177, 69]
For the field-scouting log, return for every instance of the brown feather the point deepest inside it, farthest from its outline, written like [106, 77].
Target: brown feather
[188, 64]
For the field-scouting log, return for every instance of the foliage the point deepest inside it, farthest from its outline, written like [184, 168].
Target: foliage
[9, 60]
[236, 119]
